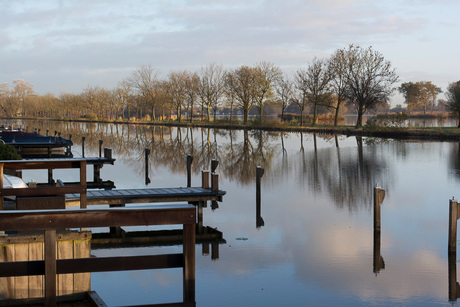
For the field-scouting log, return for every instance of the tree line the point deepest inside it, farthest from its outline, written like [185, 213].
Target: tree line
[353, 78]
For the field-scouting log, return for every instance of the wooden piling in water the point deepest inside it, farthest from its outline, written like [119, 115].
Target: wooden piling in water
[259, 220]
[189, 170]
[205, 179]
[100, 148]
[453, 217]
[83, 146]
[146, 154]
[379, 195]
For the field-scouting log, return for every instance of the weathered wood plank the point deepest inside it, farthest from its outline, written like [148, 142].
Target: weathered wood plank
[64, 281]
[50, 267]
[36, 285]
[94, 264]
[82, 281]
[21, 284]
[60, 219]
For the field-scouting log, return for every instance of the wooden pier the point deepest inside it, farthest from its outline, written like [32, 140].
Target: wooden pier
[56, 198]
[51, 220]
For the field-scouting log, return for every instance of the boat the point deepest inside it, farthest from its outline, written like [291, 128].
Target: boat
[34, 145]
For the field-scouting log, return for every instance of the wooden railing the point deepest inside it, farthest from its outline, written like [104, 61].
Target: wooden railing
[51, 220]
[48, 190]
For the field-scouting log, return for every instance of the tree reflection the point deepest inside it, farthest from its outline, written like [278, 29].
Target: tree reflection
[346, 174]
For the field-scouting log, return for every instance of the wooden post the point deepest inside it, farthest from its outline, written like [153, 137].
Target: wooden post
[83, 184]
[453, 217]
[50, 268]
[214, 164]
[100, 148]
[214, 182]
[454, 287]
[379, 263]
[189, 263]
[147, 153]
[83, 146]
[379, 195]
[205, 179]
[107, 153]
[189, 170]
[1, 185]
[259, 220]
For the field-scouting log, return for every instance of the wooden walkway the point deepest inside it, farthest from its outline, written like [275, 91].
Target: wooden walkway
[126, 196]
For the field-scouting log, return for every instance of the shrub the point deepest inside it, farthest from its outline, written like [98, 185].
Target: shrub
[8, 152]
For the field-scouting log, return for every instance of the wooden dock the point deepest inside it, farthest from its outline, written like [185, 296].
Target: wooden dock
[152, 195]
[51, 220]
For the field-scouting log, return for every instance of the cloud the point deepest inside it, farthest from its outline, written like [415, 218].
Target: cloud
[104, 35]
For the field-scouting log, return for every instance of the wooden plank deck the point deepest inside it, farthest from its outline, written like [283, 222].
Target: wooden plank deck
[149, 195]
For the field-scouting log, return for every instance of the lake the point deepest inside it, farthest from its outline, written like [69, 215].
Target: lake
[313, 242]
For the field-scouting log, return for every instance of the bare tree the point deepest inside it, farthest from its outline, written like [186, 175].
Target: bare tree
[192, 86]
[211, 86]
[370, 80]
[300, 92]
[453, 98]
[316, 83]
[145, 82]
[242, 86]
[177, 90]
[266, 75]
[22, 89]
[284, 90]
[229, 93]
[338, 67]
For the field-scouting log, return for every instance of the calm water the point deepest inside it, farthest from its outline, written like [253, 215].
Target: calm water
[316, 244]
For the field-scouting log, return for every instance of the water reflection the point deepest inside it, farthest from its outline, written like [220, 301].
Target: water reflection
[318, 244]
[346, 174]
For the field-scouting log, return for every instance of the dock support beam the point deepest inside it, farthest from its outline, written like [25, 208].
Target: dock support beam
[453, 217]
[259, 220]
[189, 170]
[50, 268]
[146, 154]
[83, 146]
[379, 195]
[189, 263]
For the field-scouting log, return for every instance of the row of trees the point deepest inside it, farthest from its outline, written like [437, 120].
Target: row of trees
[354, 77]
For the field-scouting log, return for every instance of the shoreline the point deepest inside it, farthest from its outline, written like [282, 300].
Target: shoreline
[403, 133]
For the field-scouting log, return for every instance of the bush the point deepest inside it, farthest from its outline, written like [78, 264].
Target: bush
[91, 116]
[8, 152]
[397, 120]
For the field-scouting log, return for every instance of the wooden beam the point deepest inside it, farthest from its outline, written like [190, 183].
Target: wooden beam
[453, 216]
[189, 263]
[50, 268]
[85, 218]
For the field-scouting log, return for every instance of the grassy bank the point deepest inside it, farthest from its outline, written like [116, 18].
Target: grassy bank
[415, 133]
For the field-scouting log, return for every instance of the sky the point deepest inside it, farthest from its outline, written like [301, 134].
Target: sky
[66, 46]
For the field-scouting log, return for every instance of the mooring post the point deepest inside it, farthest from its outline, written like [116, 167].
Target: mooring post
[47, 131]
[454, 287]
[453, 217]
[214, 182]
[214, 165]
[1, 185]
[379, 195]
[146, 154]
[50, 267]
[259, 220]
[189, 238]
[205, 179]
[83, 146]
[189, 170]
[100, 148]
